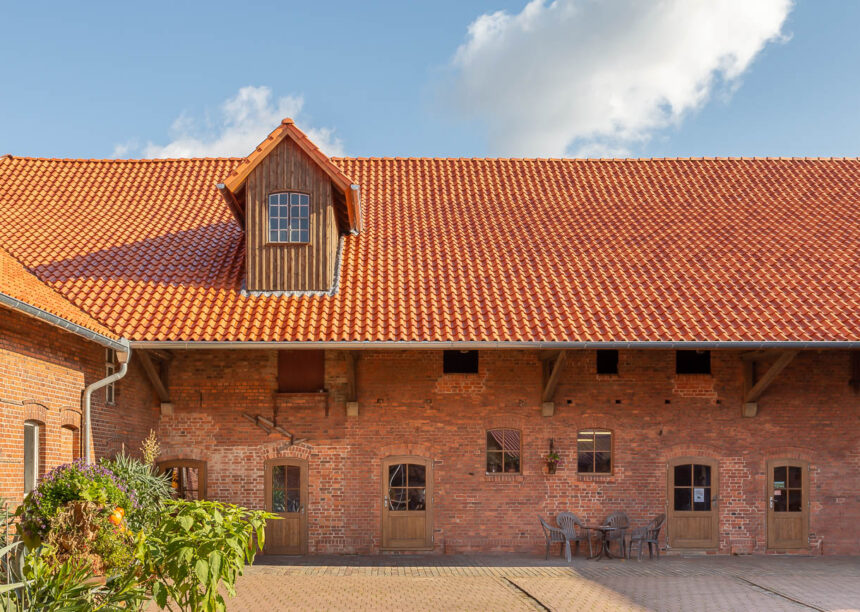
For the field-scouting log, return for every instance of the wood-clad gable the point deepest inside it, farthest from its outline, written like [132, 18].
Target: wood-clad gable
[290, 266]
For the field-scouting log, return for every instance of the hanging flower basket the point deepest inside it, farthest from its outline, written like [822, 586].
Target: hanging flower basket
[552, 460]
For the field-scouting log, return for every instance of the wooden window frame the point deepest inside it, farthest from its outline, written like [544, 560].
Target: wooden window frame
[200, 465]
[611, 451]
[38, 450]
[267, 218]
[110, 370]
[487, 451]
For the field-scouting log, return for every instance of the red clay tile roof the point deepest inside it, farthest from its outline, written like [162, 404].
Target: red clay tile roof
[17, 283]
[463, 250]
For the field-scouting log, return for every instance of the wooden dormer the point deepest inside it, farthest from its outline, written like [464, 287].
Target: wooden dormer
[294, 204]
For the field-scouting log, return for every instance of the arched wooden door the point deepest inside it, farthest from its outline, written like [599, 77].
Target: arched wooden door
[286, 491]
[407, 503]
[693, 503]
[788, 504]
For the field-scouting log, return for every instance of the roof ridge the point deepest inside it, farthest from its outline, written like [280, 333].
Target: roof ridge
[118, 160]
[597, 159]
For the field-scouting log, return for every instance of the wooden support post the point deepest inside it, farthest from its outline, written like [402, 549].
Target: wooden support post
[778, 366]
[154, 377]
[551, 375]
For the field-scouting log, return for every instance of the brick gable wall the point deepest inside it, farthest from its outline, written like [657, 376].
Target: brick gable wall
[407, 406]
[46, 369]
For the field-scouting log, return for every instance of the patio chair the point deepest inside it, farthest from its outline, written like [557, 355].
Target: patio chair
[619, 520]
[574, 530]
[649, 534]
[553, 535]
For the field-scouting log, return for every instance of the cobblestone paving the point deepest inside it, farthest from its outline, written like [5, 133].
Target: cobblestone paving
[442, 583]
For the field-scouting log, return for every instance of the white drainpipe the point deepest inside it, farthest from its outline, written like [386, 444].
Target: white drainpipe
[123, 357]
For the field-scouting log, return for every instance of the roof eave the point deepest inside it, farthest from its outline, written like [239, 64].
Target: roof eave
[486, 345]
[119, 344]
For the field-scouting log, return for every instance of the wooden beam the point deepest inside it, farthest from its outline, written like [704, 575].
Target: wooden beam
[551, 380]
[778, 366]
[153, 376]
[232, 204]
[760, 355]
[351, 387]
[548, 355]
[162, 354]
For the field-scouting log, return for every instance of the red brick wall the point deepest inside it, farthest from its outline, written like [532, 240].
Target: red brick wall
[408, 407]
[47, 368]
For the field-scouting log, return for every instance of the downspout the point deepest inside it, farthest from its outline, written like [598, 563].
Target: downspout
[123, 357]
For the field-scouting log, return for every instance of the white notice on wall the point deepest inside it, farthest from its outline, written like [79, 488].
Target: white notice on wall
[698, 495]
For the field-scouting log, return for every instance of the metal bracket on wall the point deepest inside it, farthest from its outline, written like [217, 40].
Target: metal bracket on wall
[269, 426]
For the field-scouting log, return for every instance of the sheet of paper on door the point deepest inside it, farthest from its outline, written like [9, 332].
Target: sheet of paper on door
[777, 492]
[698, 495]
[778, 484]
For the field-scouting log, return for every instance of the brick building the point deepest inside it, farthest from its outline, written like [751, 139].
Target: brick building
[384, 351]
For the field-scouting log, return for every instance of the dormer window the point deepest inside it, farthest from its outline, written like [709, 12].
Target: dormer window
[289, 217]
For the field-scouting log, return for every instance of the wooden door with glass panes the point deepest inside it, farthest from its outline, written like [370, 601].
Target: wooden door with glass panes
[407, 499]
[693, 512]
[788, 504]
[286, 490]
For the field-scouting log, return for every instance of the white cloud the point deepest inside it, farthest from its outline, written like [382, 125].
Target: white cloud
[585, 76]
[242, 123]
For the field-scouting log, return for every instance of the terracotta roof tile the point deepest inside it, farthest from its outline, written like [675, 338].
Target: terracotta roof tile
[463, 250]
[19, 284]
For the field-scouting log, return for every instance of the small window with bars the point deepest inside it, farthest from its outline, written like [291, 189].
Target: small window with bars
[289, 217]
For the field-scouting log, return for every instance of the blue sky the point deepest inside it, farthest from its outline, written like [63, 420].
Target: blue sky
[381, 78]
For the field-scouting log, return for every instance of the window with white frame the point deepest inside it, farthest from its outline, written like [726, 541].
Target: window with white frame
[31, 455]
[110, 370]
[289, 217]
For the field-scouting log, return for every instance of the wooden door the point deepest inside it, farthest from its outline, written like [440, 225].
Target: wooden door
[407, 499]
[693, 509]
[286, 490]
[788, 504]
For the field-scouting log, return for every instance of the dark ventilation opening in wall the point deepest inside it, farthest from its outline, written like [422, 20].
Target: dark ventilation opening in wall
[607, 362]
[301, 371]
[460, 362]
[692, 362]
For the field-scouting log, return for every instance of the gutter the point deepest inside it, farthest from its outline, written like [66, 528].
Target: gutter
[52, 319]
[393, 344]
[123, 357]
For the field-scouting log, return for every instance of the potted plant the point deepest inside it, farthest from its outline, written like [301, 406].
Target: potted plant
[552, 459]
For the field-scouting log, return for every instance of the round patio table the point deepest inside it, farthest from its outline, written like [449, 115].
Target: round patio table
[603, 546]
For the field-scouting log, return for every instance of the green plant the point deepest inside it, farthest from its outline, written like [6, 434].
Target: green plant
[84, 531]
[553, 457]
[199, 546]
[76, 481]
[150, 449]
[69, 587]
[149, 489]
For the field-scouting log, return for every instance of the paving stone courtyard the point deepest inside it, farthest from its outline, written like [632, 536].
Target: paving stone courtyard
[443, 583]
